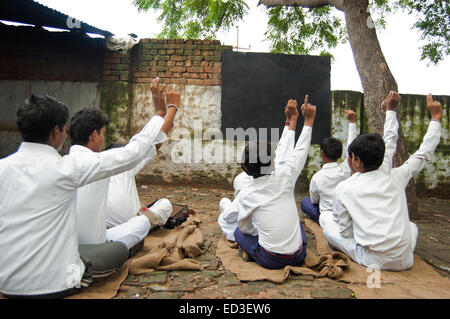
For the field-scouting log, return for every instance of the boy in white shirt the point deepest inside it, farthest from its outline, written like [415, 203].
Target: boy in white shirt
[39, 251]
[229, 209]
[269, 229]
[123, 202]
[319, 207]
[372, 225]
[87, 131]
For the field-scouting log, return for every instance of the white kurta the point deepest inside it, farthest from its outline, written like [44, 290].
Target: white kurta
[38, 234]
[268, 206]
[372, 207]
[123, 200]
[229, 209]
[323, 183]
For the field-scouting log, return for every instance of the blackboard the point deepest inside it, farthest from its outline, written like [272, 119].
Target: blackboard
[257, 86]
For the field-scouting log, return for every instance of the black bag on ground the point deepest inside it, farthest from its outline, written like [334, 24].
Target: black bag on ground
[179, 214]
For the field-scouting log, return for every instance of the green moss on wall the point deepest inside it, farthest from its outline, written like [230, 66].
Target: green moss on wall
[115, 101]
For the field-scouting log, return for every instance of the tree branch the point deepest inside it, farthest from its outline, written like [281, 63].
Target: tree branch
[338, 4]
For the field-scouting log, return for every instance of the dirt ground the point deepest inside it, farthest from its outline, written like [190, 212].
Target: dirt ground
[218, 283]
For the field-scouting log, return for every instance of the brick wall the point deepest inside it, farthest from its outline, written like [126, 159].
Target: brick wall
[175, 61]
[28, 53]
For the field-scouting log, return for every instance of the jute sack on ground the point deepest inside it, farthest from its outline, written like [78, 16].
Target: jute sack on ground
[165, 249]
[420, 281]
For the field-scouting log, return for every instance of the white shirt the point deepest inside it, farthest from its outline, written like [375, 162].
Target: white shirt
[323, 183]
[268, 204]
[38, 234]
[372, 206]
[123, 199]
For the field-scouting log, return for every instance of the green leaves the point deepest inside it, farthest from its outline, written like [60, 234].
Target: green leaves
[297, 30]
[433, 21]
[194, 19]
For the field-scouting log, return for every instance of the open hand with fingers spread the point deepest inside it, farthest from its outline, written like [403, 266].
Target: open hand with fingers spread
[350, 115]
[308, 112]
[435, 108]
[159, 98]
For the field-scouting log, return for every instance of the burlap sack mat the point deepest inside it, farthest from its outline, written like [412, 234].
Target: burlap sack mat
[421, 281]
[164, 249]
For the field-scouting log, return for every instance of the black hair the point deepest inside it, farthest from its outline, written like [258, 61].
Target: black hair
[370, 150]
[84, 122]
[39, 115]
[253, 162]
[332, 148]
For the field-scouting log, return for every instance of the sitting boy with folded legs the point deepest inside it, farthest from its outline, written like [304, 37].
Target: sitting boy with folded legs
[39, 252]
[372, 225]
[319, 207]
[87, 133]
[269, 230]
[229, 209]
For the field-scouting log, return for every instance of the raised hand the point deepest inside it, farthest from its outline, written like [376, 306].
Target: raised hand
[291, 109]
[159, 98]
[434, 107]
[350, 115]
[392, 101]
[172, 97]
[308, 112]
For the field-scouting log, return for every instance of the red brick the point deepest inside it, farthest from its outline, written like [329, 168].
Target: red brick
[194, 69]
[178, 69]
[110, 78]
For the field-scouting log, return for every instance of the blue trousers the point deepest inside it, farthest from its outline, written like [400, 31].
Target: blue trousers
[266, 258]
[310, 209]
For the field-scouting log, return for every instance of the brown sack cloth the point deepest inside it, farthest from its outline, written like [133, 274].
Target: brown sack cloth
[421, 281]
[166, 249]
[329, 264]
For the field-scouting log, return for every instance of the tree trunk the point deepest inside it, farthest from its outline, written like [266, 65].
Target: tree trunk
[377, 80]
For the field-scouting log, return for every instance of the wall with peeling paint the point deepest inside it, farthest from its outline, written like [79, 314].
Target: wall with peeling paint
[200, 118]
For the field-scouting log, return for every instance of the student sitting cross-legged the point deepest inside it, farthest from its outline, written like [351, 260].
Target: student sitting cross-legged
[87, 131]
[39, 251]
[372, 225]
[229, 209]
[123, 202]
[319, 206]
[269, 229]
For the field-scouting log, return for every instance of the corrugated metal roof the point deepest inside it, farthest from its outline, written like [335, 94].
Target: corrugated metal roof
[31, 12]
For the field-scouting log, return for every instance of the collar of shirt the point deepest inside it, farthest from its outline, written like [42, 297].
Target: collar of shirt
[38, 147]
[80, 148]
[330, 165]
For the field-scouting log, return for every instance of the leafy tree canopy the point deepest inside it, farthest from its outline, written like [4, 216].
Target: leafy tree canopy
[298, 30]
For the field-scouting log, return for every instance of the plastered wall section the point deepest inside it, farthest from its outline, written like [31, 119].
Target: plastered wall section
[197, 154]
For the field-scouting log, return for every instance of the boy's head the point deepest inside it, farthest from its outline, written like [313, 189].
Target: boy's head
[42, 119]
[257, 159]
[87, 128]
[331, 148]
[366, 152]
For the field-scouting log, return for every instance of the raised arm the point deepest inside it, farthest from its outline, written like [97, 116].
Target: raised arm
[296, 161]
[287, 141]
[115, 161]
[430, 141]
[390, 129]
[351, 135]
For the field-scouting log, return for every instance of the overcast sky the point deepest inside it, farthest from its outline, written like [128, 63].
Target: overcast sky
[400, 44]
